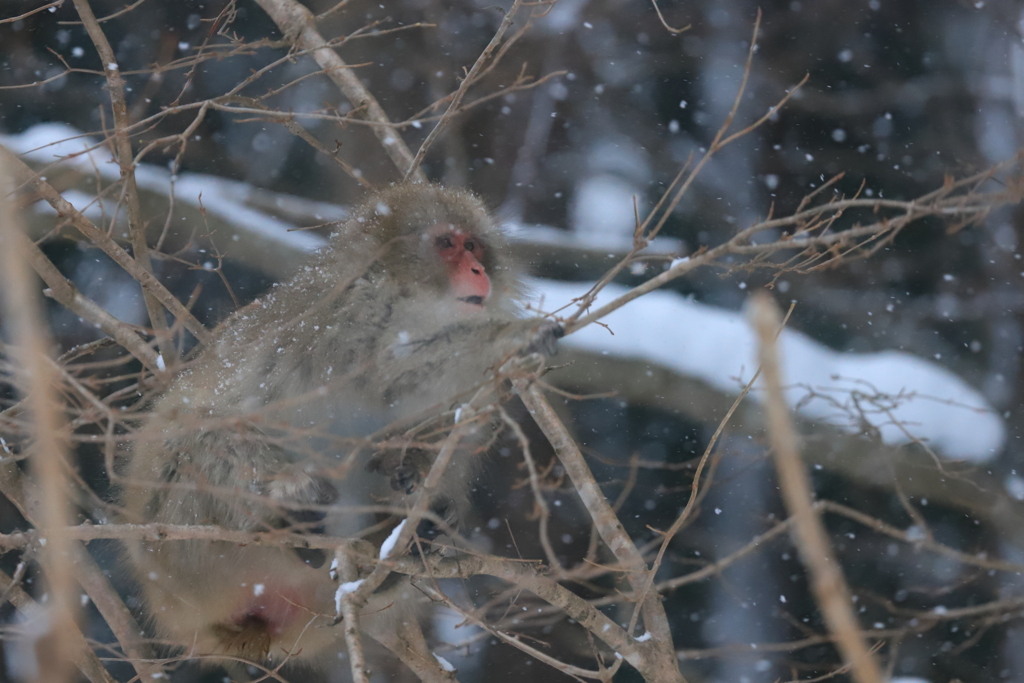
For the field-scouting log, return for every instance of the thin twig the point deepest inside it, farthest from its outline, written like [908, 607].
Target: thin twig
[470, 78]
[544, 512]
[64, 292]
[980, 205]
[691, 503]
[661, 18]
[682, 183]
[11, 20]
[124, 156]
[525, 575]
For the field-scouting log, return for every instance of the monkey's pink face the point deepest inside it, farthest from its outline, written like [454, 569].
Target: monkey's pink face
[462, 253]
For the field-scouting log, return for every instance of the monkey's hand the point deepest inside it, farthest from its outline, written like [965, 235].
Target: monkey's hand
[545, 339]
[406, 467]
[292, 489]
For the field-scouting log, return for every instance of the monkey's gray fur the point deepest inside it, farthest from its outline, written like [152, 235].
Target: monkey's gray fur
[266, 430]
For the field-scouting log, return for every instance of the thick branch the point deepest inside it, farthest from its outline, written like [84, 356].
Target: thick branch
[827, 581]
[609, 527]
[36, 380]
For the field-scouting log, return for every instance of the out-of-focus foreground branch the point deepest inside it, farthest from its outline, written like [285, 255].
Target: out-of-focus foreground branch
[59, 644]
[812, 541]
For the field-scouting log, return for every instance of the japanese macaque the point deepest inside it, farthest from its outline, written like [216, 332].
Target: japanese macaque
[318, 409]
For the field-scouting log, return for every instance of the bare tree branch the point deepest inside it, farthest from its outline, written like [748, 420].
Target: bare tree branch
[65, 292]
[299, 25]
[78, 650]
[124, 156]
[471, 77]
[24, 175]
[663, 667]
[827, 581]
[49, 447]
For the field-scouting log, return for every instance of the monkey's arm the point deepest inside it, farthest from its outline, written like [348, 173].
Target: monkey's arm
[438, 365]
[444, 363]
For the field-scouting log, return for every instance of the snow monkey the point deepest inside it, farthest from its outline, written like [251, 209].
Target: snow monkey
[403, 316]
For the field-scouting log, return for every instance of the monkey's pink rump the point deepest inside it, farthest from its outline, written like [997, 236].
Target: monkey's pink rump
[276, 607]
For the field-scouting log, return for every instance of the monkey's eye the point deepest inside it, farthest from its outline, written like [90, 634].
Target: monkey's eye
[470, 245]
[444, 242]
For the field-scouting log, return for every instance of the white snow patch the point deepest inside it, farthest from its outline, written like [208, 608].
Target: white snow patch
[1015, 486]
[676, 261]
[445, 664]
[644, 638]
[160, 364]
[718, 346]
[258, 589]
[20, 653]
[602, 207]
[345, 589]
[86, 204]
[389, 543]
[50, 142]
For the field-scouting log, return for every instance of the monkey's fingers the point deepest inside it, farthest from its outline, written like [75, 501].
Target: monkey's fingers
[545, 341]
[405, 479]
[405, 468]
[297, 487]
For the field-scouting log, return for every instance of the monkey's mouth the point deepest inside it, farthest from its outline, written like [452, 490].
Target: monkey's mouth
[476, 300]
